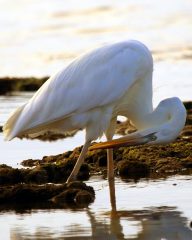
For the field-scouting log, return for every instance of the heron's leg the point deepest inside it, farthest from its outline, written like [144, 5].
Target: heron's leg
[79, 162]
[110, 165]
[111, 180]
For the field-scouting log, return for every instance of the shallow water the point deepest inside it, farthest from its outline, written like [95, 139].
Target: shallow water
[150, 210]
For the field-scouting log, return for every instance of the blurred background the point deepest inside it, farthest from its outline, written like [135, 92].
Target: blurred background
[37, 38]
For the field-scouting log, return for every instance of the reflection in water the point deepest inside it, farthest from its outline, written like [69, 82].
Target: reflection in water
[164, 224]
[156, 223]
[151, 224]
[151, 210]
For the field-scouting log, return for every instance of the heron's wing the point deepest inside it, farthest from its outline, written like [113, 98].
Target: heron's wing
[96, 79]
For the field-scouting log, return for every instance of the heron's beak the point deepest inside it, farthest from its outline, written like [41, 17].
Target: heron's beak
[132, 140]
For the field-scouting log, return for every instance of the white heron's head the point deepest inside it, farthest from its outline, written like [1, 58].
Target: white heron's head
[161, 126]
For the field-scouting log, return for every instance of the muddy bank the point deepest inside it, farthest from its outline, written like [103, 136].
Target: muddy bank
[11, 84]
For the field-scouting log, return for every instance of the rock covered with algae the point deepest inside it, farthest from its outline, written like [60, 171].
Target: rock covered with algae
[42, 173]
[76, 194]
[31, 188]
[130, 162]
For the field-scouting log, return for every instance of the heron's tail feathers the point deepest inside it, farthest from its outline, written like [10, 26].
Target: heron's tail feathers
[9, 129]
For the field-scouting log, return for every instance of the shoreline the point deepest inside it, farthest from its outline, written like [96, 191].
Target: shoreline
[12, 84]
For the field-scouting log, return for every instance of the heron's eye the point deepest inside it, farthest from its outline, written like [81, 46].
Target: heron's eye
[153, 138]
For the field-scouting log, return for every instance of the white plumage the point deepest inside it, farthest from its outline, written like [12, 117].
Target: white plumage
[88, 90]
[92, 91]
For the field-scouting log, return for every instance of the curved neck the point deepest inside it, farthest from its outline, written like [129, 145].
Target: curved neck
[169, 111]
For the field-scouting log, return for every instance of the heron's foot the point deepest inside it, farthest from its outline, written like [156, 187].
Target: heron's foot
[71, 178]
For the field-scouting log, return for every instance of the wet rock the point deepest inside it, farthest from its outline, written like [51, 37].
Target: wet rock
[42, 173]
[29, 193]
[133, 169]
[51, 195]
[30, 163]
[188, 165]
[36, 175]
[84, 172]
[80, 185]
[65, 197]
[84, 198]
[58, 173]
[9, 175]
[55, 173]
[77, 193]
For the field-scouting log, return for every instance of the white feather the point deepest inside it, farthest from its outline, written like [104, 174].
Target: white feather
[89, 94]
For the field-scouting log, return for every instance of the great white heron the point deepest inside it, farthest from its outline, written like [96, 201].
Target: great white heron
[91, 92]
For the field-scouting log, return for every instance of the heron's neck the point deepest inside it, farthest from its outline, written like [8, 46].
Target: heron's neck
[169, 111]
[149, 120]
